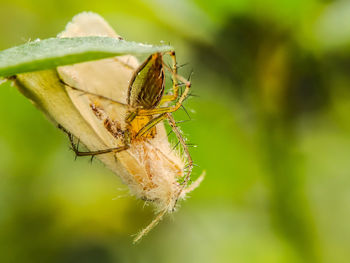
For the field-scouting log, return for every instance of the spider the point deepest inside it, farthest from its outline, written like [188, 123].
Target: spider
[146, 106]
[145, 95]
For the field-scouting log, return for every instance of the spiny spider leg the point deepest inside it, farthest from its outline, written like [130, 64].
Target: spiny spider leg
[184, 145]
[173, 71]
[94, 94]
[150, 124]
[184, 188]
[91, 153]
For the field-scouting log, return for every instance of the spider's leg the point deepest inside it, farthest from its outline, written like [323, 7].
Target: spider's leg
[173, 71]
[185, 147]
[94, 94]
[184, 189]
[75, 147]
[151, 124]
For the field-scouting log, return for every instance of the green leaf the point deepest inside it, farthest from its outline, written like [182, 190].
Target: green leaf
[54, 52]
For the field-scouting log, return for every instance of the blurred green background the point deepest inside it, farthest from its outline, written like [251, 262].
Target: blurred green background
[272, 122]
